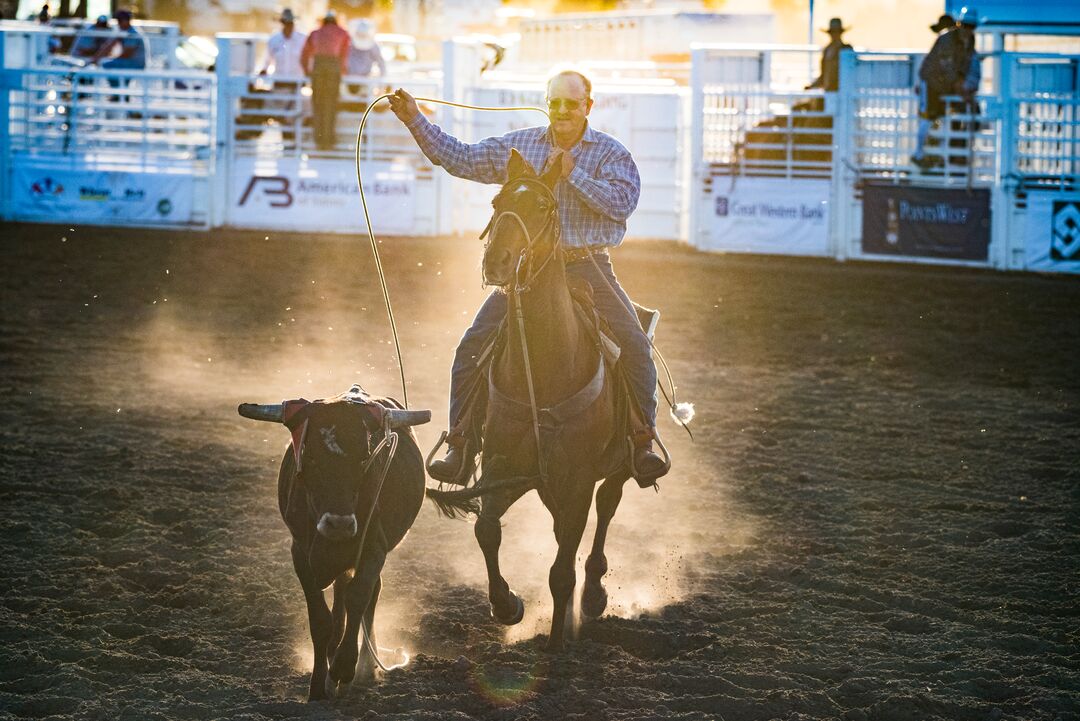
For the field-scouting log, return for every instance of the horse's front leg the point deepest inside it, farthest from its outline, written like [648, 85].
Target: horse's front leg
[594, 597]
[357, 597]
[320, 622]
[569, 526]
[506, 606]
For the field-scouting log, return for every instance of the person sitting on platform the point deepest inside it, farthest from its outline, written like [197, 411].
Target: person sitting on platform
[132, 46]
[90, 39]
[829, 80]
[951, 67]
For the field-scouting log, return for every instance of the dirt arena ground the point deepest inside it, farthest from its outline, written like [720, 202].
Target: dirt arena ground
[878, 518]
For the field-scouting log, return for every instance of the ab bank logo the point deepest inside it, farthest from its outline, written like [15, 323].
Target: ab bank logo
[1065, 231]
[46, 188]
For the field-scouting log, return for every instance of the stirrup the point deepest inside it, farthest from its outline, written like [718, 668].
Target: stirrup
[462, 477]
[646, 482]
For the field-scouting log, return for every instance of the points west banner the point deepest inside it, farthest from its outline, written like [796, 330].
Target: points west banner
[320, 195]
[926, 222]
[768, 215]
[101, 196]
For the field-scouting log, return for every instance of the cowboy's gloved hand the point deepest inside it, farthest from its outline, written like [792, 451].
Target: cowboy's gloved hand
[403, 105]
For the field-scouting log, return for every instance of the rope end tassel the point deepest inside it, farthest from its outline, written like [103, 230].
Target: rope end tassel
[682, 413]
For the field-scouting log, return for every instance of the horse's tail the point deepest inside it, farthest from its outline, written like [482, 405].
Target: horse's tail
[458, 504]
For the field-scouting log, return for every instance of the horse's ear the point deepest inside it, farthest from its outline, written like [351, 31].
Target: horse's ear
[518, 166]
[552, 175]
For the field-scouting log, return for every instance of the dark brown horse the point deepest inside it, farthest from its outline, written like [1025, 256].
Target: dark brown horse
[553, 422]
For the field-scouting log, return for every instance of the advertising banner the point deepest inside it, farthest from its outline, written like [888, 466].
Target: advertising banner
[93, 196]
[1052, 234]
[926, 222]
[320, 195]
[768, 215]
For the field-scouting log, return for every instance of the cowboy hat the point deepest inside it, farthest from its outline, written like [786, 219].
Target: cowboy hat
[836, 25]
[943, 22]
[287, 16]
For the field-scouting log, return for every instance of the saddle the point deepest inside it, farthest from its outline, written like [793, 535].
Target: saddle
[551, 419]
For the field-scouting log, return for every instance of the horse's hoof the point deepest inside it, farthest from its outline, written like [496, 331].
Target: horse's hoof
[512, 618]
[335, 689]
[593, 601]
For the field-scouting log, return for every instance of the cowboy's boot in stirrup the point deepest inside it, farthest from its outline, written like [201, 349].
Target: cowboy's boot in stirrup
[648, 464]
[456, 466]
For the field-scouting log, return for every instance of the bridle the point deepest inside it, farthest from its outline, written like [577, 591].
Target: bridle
[523, 279]
[524, 274]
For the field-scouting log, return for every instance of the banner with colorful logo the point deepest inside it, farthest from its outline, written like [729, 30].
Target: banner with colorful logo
[767, 215]
[1052, 234]
[321, 195]
[102, 196]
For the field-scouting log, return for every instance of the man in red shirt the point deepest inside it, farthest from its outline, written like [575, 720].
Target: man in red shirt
[324, 59]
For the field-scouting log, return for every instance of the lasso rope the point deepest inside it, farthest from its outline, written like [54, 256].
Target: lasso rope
[371, 233]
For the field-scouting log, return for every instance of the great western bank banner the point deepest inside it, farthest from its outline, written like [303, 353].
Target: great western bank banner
[100, 196]
[768, 215]
[926, 222]
[320, 195]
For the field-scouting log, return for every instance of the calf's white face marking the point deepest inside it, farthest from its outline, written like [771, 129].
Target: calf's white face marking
[330, 440]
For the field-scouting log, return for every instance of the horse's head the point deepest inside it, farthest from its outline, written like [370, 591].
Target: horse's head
[524, 229]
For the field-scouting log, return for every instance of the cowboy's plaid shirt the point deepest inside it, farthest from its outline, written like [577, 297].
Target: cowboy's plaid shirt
[594, 200]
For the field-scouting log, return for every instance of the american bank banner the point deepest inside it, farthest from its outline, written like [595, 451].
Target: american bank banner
[767, 215]
[321, 195]
[102, 196]
[926, 222]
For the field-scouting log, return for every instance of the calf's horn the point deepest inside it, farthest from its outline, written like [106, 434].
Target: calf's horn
[256, 412]
[399, 418]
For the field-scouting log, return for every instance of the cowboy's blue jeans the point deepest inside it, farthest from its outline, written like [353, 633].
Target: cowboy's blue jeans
[614, 307]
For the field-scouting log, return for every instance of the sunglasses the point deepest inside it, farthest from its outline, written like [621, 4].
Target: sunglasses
[558, 104]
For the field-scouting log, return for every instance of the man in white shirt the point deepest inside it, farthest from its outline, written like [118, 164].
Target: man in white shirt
[283, 49]
[282, 61]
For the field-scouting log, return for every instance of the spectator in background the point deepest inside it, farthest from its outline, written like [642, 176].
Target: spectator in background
[364, 54]
[44, 16]
[90, 39]
[829, 80]
[132, 46]
[950, 68]
[324, 58]
[284, 48]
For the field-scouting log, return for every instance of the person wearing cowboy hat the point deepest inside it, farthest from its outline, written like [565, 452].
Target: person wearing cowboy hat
[829, 80]
[325, 57]
[952, 67]
[283, 49]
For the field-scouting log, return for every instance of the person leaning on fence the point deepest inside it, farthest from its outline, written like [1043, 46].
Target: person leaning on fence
[132, 46]
[950, 68]
[364, 57]
[283, 50]
[324, 59]
[599, 189]
[829, 80]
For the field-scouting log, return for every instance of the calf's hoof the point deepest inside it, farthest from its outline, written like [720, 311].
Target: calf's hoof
[511, 616]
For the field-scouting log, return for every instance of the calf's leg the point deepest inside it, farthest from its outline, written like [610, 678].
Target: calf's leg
[357, 597]
[320, 622]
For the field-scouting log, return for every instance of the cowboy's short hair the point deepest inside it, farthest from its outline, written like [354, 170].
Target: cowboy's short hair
[574, 73]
